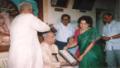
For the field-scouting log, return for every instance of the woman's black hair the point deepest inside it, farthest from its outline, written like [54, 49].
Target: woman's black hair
[88, 20]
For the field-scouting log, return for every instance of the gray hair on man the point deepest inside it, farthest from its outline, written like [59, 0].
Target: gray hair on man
[46, 34]
[25, 5]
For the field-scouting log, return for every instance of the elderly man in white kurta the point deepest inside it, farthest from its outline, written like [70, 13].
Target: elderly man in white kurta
[49, 48]
[25, 49]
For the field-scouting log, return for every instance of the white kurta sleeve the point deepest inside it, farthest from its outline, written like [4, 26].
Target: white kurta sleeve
[40, 26]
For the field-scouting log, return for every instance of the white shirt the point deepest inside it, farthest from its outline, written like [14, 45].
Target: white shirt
[64, 32]
[25, 49]
[109, 30]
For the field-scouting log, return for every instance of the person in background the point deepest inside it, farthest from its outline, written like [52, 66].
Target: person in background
[111, 34]
[25, 49]
[91, 54]
[64, 30]
[4, 29]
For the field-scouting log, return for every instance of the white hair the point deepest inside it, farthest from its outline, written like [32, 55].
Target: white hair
[25, 5]
[46, 33]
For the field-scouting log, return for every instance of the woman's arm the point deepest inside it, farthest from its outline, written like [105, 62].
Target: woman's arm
[86, 50]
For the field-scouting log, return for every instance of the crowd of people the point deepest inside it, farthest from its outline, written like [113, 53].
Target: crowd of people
[27, 50]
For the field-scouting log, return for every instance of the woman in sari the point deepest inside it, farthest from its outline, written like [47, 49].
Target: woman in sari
[91, 54]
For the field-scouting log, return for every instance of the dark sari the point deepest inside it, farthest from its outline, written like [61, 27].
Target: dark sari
[95, 57]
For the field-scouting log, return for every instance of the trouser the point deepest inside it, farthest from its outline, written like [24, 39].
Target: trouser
[113, 58]
[60, 44]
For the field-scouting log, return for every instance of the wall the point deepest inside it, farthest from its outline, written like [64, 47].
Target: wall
[51, 16]
[117, 10]
[105, 4]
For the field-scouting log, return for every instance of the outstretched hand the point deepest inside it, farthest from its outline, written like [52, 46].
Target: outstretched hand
[80, 57]
[106, 38]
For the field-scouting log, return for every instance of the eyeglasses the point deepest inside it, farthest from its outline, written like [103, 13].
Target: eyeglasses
[65, 19]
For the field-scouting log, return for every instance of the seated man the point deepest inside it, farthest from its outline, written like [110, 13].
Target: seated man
[51, 58]
[49, 49]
